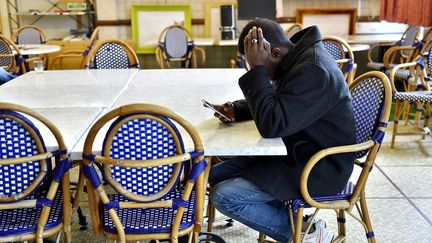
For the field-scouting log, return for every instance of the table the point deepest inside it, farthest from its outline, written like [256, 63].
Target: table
[37, 49]
[74, 99]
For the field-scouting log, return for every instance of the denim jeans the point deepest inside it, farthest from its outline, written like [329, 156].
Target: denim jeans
[241, 200]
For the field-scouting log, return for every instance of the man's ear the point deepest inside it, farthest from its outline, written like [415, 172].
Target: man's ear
[276, 52]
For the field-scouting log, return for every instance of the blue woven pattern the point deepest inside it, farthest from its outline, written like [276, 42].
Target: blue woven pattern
[429, 61]
[143, 139]
[21, 221]
[368, 100]
[15, 142]
[176, 43]
[416, 96]
[29, 36]
[335, 49]
[111, 56]
[145, 221]
[5, 49]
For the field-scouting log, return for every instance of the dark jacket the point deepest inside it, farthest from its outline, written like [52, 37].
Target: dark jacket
[310, 107]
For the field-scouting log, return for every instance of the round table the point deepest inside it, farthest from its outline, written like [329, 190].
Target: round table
[37, 49]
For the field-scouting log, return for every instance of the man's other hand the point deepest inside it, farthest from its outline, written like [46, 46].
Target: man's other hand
[257, 49]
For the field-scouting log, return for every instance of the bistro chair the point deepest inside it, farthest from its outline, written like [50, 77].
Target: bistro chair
[10, 56]
[156, 188]
[417, 92]
[340, 50]
[32, 204]
[405, 48]
[176, 45]
[111, 54]
[371, 96]
[29, 34]
[76, 54]
[296, 27]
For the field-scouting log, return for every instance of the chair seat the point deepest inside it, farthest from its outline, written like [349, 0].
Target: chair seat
[378, 66]
[344, 195]
[148, 221]
[421, 96]
[24, 220]
[401, 74]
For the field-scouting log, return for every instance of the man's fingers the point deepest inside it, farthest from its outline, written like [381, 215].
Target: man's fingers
[260, 38]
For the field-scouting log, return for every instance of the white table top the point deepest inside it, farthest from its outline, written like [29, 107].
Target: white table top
[72, 88]
[34, 49]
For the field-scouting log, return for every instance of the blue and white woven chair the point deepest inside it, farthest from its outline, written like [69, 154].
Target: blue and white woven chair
[296, 27]
[76, 54]
[340, 50]
[32, 206]
[176, 45]
[29, 34]
[112, 54]
[144, 161]
[405, 48]
[418, 93]
[10, 57]
[372, 97]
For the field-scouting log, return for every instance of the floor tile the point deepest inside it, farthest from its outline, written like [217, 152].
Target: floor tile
[414, 181]
[377, 186]
[405, 154]
[425, 206]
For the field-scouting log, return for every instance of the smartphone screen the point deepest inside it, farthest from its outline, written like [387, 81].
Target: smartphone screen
[208, 105]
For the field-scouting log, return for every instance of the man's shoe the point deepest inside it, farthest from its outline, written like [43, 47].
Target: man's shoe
[320, 235]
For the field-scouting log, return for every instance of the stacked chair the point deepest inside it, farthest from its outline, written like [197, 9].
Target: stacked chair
[342, 53]
[372, 97]
[176, 46]
[156, 189]
[111, 54]
[34, 195]
[417, 92]
[76, 54]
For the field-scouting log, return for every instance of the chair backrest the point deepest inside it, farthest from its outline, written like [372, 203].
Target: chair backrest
[371, 97]
[296, 27]
[29, 34]
[340, 50]
[175, 45]
[19, 139]
[10, 57]
[112, 54]
[410, 38]
[143, 157]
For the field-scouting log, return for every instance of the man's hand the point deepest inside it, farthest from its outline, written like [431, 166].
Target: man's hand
[256, 48]
[228, 110]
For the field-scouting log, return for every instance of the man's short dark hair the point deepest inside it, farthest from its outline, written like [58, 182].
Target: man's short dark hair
[272, 32]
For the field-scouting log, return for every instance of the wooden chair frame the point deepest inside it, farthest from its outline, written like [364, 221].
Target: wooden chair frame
[15, 203]
[77, 53]
[162, 58]
[295, 27]
[14, 66]
[348, 74]
[358, 196]
[133, 58]
[42, 33]
[143, 202]
[394, 50]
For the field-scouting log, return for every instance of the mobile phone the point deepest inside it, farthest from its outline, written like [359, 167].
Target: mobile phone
[208, 105]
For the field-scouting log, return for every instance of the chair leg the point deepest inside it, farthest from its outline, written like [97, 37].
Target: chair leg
[366, 218]
[261, 237]
[341, 223]
[426, 118]
[211, 216]
[395, 124]
[80, 188]
[298, 226]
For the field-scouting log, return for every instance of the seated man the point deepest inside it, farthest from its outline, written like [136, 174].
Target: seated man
[307, 104]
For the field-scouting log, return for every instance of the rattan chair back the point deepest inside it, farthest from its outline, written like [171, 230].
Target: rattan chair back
[29, 34]
[10, 56]
[112, 54]
[296, 27]
[340, 50]
[144, 161]
[29, 182]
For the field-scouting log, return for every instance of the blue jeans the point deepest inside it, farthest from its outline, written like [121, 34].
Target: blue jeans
[241, 200]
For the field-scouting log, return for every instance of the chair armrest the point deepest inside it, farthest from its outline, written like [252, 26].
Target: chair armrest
[316, 158]
[377, 46]
[59, 58]
[203, 54]
[394, 70]
[390, 54]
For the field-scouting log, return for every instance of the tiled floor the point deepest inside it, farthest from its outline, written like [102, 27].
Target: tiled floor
[399, 196]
